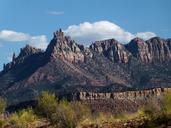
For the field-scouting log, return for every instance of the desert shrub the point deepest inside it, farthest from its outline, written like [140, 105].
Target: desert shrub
[160, 115]
[166, 103]
[164, 117]
[23, 119]
[47, 104]
[2, 123]
[152, 108]
[81, 110]
[64, 117]
[3, 105]
[61, 114]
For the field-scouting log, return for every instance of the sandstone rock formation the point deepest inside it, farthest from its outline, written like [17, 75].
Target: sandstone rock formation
[139, 50]
[64, 48]
[24, 53]
[132, 95]
[112, 49]
[152, 50]
[106, 66]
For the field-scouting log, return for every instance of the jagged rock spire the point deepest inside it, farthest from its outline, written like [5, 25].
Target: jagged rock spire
[58, 34]
[62, 47]
[28, 50]
[13, 57]
[4, 65]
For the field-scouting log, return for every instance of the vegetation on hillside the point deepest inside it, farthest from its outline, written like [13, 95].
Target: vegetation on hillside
[53, 113]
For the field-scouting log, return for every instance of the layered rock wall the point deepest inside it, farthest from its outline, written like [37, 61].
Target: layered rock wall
[123, 95]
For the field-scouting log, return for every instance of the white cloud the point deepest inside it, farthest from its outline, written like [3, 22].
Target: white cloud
[13, 36]
[145, 35]
[55, 13]
[39, 41]
[87, 32]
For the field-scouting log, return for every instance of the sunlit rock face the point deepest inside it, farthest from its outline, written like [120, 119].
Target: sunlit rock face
[139, 50]
[152, 50]
[159, 49]
[111, 49]
[132, 95]
[64, 48]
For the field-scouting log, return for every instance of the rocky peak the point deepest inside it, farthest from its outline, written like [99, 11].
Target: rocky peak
[100, 46]
[112, 49]
[24, 53]
[169, 43]
[62, 47]
[139, 49]
[152, 50]
[28, 50]
[159, 49]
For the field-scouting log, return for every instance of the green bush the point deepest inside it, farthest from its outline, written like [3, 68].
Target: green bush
[166, 103]
[46, 104]
[151, 108]
[2, 123]
[3, 105]
[23, 119]
[81, 110]
[61, 114]
[159, 114]
[64, 117]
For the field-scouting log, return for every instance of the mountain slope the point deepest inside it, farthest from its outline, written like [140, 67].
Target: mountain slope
[106, 65]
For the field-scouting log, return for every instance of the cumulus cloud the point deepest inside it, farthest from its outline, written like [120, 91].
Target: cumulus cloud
[145, 35]
[87, 32]
[13, 36]
[55, 13]
[38, 41]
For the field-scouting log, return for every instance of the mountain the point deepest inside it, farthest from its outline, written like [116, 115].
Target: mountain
[105, 66]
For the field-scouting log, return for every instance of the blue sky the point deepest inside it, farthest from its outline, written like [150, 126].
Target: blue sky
[34, 21]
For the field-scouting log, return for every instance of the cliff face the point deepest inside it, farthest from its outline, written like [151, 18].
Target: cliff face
[159, 49]
[106, 66]
[139, 49]
[111, 49]
[132, 95]
[152, 50]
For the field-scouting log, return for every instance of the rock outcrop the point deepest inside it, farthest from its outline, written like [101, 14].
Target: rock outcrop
[159, 49]
[27, 51]
[64, 48]
[132, 95]
[111, 49]
[139, 49]
[152, 50]
[24, 53]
